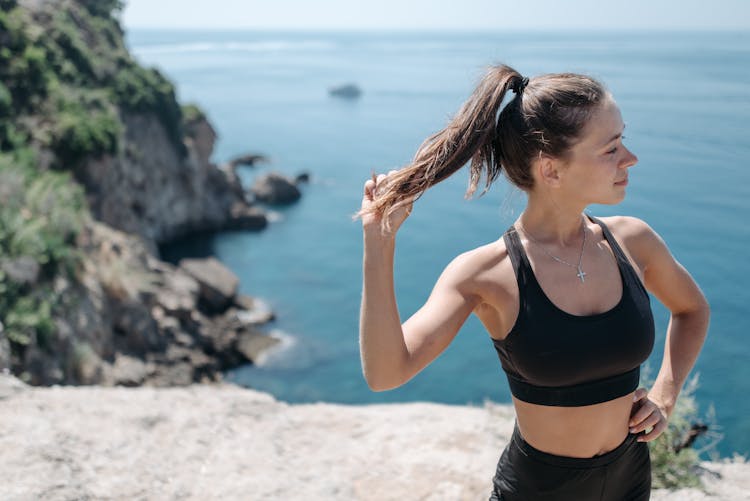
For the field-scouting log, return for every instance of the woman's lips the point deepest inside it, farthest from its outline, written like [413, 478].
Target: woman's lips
[624, 182]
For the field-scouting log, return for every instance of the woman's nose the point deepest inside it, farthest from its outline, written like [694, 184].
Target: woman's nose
[630, 159]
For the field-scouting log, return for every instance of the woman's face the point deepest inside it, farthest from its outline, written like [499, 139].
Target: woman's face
[598, 163]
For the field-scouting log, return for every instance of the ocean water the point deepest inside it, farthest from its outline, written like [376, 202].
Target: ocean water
[684, 96]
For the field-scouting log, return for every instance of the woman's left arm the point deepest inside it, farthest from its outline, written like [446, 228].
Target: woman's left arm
[673, 286]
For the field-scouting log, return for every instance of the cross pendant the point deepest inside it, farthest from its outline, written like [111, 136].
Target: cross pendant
[581, 274]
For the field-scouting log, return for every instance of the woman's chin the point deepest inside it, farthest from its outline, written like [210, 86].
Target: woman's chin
[612, 200]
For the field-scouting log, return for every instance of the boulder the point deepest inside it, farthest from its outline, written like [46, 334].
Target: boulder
[347, 91]
[179, 294]
[253, 343]
[258, 313]
[218, 285]
[136, 331]
[244, 217]
[248, 159]
[275, 188]
[179, 374]
[129, 371]
[244, 302]
[86, 365]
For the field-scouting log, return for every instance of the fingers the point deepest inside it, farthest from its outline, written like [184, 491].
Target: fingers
[646, 415]
[639, 394]
[652, 419]
[369, 189]
[654, 433]
[377, 181]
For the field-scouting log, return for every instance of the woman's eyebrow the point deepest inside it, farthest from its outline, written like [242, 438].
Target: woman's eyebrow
[616, 136]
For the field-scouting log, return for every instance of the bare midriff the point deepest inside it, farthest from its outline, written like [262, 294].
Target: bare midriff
[581, 432]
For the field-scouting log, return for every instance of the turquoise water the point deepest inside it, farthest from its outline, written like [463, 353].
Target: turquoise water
[684, 96]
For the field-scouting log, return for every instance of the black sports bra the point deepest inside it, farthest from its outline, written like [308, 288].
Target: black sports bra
[552, 357]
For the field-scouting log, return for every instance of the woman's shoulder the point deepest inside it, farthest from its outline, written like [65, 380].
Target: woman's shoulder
[486, 269]
[484, 257]
[635, 235]
[629, 228]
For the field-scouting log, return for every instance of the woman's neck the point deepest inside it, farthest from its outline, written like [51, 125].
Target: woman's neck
[553, 224]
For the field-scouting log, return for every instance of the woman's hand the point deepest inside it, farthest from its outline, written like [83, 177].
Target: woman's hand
[647, 413]
[372, 188]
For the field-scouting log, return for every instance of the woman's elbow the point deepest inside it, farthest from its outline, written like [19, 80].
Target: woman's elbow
[380, 384]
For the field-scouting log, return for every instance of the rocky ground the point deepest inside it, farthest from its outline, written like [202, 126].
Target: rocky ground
[219, 441]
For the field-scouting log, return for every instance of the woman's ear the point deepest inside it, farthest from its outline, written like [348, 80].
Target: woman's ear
[547, 170]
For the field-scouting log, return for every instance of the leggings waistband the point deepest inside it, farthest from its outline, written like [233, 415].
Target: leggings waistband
[568, 461]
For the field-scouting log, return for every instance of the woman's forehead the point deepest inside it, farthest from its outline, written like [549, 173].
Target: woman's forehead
[604, 125]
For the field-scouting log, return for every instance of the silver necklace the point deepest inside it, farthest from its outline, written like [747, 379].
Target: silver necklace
[580, 273]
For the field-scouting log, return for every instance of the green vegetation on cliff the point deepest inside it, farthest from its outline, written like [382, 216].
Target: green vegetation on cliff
[674, 465]
[65, 77]
[67, 83]
[40, 216]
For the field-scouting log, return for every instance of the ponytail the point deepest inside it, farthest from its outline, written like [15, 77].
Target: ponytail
[468, 137]
[545, 118]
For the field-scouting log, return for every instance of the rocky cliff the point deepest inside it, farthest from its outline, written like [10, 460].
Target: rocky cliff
[98, 165]
[157, 179]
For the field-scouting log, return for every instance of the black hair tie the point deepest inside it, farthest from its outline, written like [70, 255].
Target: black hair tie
[519, 84]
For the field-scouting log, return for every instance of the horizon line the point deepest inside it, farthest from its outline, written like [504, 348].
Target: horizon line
[482, 30]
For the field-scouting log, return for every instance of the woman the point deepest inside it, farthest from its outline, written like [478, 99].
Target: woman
[563, 295]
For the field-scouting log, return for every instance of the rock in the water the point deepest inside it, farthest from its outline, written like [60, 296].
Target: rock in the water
[274, 188]
[349, 91]
[244, 302]
[252, 344]
[243, 217]
[302, 177]
[249, 159]
[218, 285]
[258, 313]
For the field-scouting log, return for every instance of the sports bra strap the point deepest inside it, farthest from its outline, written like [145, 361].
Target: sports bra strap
[515, 252]
[611, 239]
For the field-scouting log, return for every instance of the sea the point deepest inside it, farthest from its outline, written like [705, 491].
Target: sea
[684, 96]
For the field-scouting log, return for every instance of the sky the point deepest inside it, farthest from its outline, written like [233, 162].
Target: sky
[452, 15]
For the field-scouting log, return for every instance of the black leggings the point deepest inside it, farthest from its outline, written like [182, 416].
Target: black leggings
[526, 473]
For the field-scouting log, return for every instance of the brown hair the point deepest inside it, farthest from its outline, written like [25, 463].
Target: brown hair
[544, 117]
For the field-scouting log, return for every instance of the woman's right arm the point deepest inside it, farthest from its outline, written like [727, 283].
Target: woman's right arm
[393, 353]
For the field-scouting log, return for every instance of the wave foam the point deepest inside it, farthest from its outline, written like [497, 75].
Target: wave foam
[277, 351]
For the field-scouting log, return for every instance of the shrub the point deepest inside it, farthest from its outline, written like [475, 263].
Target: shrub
[102, 8]
[6, 102]
[146, 90]
[69, 39]
[28, 319]
[81, 133]
[191, 113]
[672, 466]
[40, 216]
[23, 67]
[12, 35]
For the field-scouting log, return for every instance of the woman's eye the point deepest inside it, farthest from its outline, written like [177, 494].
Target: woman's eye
[614, 150]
